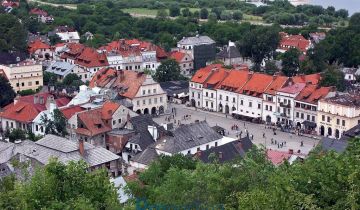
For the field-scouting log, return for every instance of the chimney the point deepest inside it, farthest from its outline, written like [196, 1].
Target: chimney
[81, 147]
[16, 99]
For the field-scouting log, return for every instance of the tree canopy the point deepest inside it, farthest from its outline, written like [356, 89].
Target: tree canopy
[7, 93]
[169, 70]
[12, 34]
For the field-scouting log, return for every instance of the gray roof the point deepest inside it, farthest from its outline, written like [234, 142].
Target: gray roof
[61, 68]
[146, 157]
[64, 150]
[175, 87]
[196, 40]
[336, 145]
[229, 52]
[187, 136]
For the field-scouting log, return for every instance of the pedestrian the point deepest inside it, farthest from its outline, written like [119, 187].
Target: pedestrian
[226, 115]
[278, 146]
[263, 135]
[285, 143]
[275, 142]
[252, 136]
[272, 141]
[240, 134]
[302, 144]
[244, 124]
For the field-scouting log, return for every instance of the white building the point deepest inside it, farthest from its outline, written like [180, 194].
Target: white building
[69, 36]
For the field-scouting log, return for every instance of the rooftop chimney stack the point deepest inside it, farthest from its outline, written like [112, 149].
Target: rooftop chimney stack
[81, 147]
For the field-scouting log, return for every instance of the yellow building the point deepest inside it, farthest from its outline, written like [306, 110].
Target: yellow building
[25, 75]
[338, 113]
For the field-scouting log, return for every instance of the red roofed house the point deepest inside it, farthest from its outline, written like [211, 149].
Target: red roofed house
[41, 15]
[269, 99]
[23, 111]
[293, 41]
[227, 98]
[92, 125]
[307, 79]
[197, 84]
[39, 50]
[277, 157]
[10, 4]
[306, 106]
[185, 61]
[286, 101]
[137, 88]
[251, 96]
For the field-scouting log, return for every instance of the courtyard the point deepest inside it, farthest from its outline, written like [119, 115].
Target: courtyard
[257, 132]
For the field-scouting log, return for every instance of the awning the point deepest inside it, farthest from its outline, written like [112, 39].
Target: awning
[309, 124]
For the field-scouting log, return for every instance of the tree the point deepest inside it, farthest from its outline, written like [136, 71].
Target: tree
[15, 134]
[49, 78]
[174, 10]
[333, 76]
[72, 80]
[290, 62]
[271, 68]
[56, 124]
[12, 34]
[169, 70]
[186, 12]
[7, 93]
[237, 15]
[162, 14]
[225, 15]
[204, 13]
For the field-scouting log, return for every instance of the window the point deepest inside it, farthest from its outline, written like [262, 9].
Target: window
[259, 106]
[114, 122]
[154, 90]
[338, 121]
[241, 102]
[297, 114]
[220, 97]
[17, 85]
[343, 122]
[233, 100]
[302, 116]
[161, 99]
[144, 92]
[193, 94]
[308, 117]
[144, 102]
[22, 84]
[155, 100]
[266, 107]
[270, 108]
[250, 104]
[313, 118]
[323, 117]
[198, 95]
[212, 95]
[212, 105]
[36, 127]
[149, 91]
[328, 119]
[227, 98]
[207, 146]
[138, 103]
[198, 149]
[206, 103]
[216, 144]
[149, 100]
[206, 94]
[184, 65]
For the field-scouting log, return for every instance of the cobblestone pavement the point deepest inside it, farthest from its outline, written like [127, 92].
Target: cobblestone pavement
[260, 134]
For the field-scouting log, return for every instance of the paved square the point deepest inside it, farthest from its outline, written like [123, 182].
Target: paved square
[260, 134]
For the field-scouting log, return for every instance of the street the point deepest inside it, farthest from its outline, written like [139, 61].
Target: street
[261, 136]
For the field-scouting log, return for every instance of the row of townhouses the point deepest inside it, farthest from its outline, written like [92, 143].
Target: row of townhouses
[297, 102]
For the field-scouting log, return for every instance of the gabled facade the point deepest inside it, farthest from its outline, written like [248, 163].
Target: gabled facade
[185, 61]
[40, 50]
[293, 41]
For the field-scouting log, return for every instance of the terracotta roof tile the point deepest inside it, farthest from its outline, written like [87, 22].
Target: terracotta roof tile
[235, 79]
[74, 50]
[216, 77]
[89, 57]
[20, 111]
[37, 45]
[293, 89]
[256, 85]
[277, 157]
[127, 82]
[296, 41]
[308, 79]
[178, 56]
[276, 84]
[92, 123]
[203, 74]
[37, 11]
[312, 93]
[108, 109]
[68, 112]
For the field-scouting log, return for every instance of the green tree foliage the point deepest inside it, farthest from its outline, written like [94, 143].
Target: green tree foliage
[254, 183]
[333, 76]
[225, 15]
[12, 34]
[290, 62]
[237, 15]
[60, 186]
[271, 68]
[49, 78]
[162, 14]
[56, 124]
[174, 10]
[15, 134]
[169, 70]
[204, 13]
[7, 93]
[27, 92]
[186, 12]
[72, 80]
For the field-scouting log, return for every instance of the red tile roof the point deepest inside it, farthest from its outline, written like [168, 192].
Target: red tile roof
[89, 58]
[68, 112]
[293, 89]
[203, 74]
[37, 11]
[108, 109]
[178, 56]
[37, 45]
[92, 123]
[276, 84]
[312, 93]
[308, 79]
[294, 41]
[60, 102]
[256, 85]
[277, 157]
[161, 53]
[235, 79]
[74, 50]
[128, 82]
[10, 4]
[216, 77]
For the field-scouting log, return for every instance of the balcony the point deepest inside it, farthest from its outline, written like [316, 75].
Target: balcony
[285, 105]
[281, 115]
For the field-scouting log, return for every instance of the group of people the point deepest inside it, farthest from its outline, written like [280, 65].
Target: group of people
[279, 144]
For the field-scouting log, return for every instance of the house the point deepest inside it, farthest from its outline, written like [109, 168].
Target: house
[230, 55]
[306, 106]
[66, 34]
[144, 94]
[279, 157]
[185, 61]
[226, 92]
[293, 41]
[88, 35]
[201, 48]
[61, 69]
[21, 113]
[269, 99]
[313, 79]
[350, 74]
[176, 91]
[90, 61]
[40, 50]
[50, 146]
[42, 16]
[70, 114]
[132, 54]
[286, 101]
[251, 96]
[71, 52]
[86, 95]
[226, 152]
[337, 113]
[317, 37]
[24, 75]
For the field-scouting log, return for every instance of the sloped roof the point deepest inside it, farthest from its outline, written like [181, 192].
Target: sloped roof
[93, 124]
[307, 79]
[229, 52]
[61, 68]
[70, 111]
[186, 137]
[216, 77]
[277, 157]
[89, 57]
[196, 40]
[108, 109]
[328, 144]
[146, 157]
[37, 45]
[256, 85]
[312, 93]
[37, 11]
[203, 74]
[296, 41]
[235, 79]
[276, 84]
[178, 56]
[227, 152]
[126, 81]
[293, 89]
